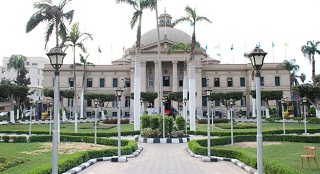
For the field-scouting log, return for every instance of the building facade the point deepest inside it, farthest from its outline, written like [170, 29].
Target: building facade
[209, 73]
[34, 66]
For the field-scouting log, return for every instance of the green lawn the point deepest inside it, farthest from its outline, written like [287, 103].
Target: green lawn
[68, 127]
[265, 127]
[287, 153]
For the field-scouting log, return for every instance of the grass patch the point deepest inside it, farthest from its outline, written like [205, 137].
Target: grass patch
[237, 125]
[6, 163]
[286, 153]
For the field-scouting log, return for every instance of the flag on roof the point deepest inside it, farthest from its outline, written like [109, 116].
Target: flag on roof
[232, 47]
[272, 44]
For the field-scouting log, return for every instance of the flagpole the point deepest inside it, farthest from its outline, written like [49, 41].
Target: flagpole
[272, 55]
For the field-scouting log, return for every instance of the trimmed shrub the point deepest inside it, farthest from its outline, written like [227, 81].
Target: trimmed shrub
[180, 123]
[154, 121]
[145, 121]
[150, 133]
[176, 134]
[314, 120]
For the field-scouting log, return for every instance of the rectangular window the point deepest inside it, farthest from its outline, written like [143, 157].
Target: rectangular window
[127, 82]
[204, 100]
[34, 64]
[180, 81]
[127, 102]
[89, 114]
[70, 102]
[101, 82]
[229, 80]
[261, 81]
[115, 82]
[71, 82]
[126, 114]
[242, 82]
[243, 101]
[166, 80]
[204, 82]
[217, 103]
[38, 81]
[216, 82]
[150, 81]
[89, 82]
[89, 104]
[114, 114]
[277, 81]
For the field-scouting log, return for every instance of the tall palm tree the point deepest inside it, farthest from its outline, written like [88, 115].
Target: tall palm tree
[54, 15]
[292, 68]
[84, 63]
[309, 51]
[192, 18]
[185, 48]
[246, 55]
[73, 40]
[139, 6]
[17, 63]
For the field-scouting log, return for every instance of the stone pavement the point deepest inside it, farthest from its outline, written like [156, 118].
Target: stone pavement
[163, 159]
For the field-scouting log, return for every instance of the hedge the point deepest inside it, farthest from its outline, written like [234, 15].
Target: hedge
[200, 147]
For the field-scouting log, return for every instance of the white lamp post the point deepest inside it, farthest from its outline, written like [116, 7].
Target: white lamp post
[304, 100]
[119, 92]
[231, 104]
[208, 93]
[185, 100]
[31, 103]
[50, 105]
[56, 56]
[257, 57]
[96, 102]
[283, 101]
[141, 101]
[212, 110]
[164, 100]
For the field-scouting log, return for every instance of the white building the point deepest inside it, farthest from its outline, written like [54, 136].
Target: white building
[34, 66]
[222, 77]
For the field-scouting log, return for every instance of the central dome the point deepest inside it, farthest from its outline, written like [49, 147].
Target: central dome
[166, 31]
[171, 34]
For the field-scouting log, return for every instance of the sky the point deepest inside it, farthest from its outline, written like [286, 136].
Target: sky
[241, 23]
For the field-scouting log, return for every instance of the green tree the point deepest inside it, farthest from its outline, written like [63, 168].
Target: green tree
[76, 39]
[267, 96]
[192, 17]
[292, 68]
[139, 6]
[17, 63]
[309, 50]
[54, 16]
[225, 97]
[84, 63]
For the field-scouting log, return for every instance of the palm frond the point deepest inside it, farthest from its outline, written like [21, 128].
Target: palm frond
[134, 18]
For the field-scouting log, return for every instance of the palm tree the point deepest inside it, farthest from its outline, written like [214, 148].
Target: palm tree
[246, 55]
[83, 63]
[73, 40]
[54, 15]
[309, 51]
[292, 68]
[193, 18]
[17, 63]
[139, 6]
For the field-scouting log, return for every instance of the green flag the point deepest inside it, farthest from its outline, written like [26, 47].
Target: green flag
[99, 50]
[218, 54]
[272, 44]
[191, 23]
[232, 47]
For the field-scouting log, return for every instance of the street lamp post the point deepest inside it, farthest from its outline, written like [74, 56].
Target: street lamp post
[231, 104]
[186, 114]
[56, 56]
[96, 102]
[31, 103]
[256, 57]
[50, 105]
[212, 110]
[141, 101]
[119, 92]
[208, 93]
[283, 101]
[304, 100]
[164, 100]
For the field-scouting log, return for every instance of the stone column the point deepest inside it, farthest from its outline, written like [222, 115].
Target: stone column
[156, 83]
[175, 81]
[143, 76]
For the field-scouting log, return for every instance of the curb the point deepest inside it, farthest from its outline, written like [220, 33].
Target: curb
[139, 139]
[89, 163]
[238, 163]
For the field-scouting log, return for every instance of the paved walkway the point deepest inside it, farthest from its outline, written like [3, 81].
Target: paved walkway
[163, 159]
